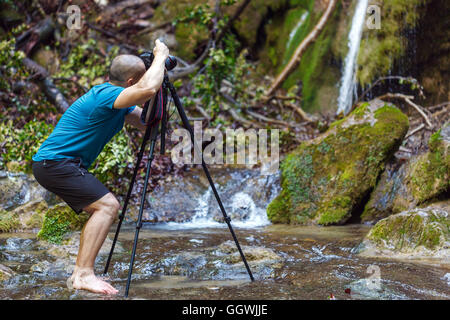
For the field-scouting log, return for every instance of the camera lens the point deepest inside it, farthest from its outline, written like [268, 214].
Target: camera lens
[171, 62]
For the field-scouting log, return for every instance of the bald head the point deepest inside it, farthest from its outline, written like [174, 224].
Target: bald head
[125, 67]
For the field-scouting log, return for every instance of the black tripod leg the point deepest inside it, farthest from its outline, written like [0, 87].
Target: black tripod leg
[141, 208]
[186, 124]
[130, 189]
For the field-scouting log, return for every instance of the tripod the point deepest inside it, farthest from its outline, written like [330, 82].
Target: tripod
[151, 134]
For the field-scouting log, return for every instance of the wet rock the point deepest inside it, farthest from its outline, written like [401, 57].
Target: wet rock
[325, 179]
[31, 215]
[5, 273]
[373, 289]
[220, 263]
[244, 193]
[17, 189]
[65, 254]
[420, 233]
[422, 179]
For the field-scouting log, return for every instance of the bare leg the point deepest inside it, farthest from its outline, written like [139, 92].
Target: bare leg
[103, 213]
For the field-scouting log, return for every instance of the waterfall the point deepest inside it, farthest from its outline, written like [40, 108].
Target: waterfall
[348, 83]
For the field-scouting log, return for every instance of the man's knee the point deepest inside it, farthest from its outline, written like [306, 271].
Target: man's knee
[108, 205]
[111, 206]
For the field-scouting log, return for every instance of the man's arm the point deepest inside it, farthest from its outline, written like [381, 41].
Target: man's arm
[134, 118]
[149, 84]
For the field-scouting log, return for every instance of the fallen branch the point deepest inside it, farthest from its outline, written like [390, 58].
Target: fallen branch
[407, 99]
[299, 111]
[296, 57]
[50, 90]
[238, 118]
[265, 119]
[415, 131]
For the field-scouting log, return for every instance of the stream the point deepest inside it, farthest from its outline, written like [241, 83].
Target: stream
[292, 263]
[185, 251]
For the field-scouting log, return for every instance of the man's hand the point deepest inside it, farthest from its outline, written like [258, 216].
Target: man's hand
[160, 49]
[147, 87]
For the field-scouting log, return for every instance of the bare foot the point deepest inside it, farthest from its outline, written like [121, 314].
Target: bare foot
[86, 280]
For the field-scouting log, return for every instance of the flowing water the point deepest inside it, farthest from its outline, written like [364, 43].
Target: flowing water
[293, 263]
[185, 251]
[347, 89]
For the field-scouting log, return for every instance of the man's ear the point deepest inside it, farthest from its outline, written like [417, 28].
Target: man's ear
[130, 82]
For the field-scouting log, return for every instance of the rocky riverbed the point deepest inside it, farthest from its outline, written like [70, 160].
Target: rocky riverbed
[288, 262]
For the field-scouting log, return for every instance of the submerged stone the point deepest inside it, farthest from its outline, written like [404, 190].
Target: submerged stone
[420, 233]
[422, 179]
[324, 180]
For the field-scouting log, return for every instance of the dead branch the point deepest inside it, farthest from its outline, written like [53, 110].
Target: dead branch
[299, 111]
[238, 118]
[50, 90]
[296, 57]
[266, 119]
[154, 28]
[407, 99]
[414, 131]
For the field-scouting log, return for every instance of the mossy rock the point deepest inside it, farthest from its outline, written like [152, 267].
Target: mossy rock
[59, 221]
[420, 181]
[416, 233]
[325, 179]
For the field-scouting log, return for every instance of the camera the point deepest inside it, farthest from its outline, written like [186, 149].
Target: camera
[148, 56]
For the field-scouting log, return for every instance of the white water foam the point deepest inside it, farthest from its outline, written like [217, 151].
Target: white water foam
[256, 217]
[348, 81]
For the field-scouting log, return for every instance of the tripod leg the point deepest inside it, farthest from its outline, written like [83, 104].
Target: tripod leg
[130, 189]
[186, 124]
[141, 208]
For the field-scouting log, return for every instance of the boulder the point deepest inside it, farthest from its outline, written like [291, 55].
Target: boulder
[324, 180]
[17, 189]
[422, 179]
[420, 233]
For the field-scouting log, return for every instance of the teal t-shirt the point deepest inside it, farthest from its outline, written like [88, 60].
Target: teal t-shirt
[86, 126]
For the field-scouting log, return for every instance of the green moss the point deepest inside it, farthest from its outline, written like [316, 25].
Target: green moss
[60, 220]
[429, 175]
[380, 48]
[21, 144]
[409, 231]
[9, 221]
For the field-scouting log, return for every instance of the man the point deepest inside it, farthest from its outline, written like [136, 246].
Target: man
[61, 163]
